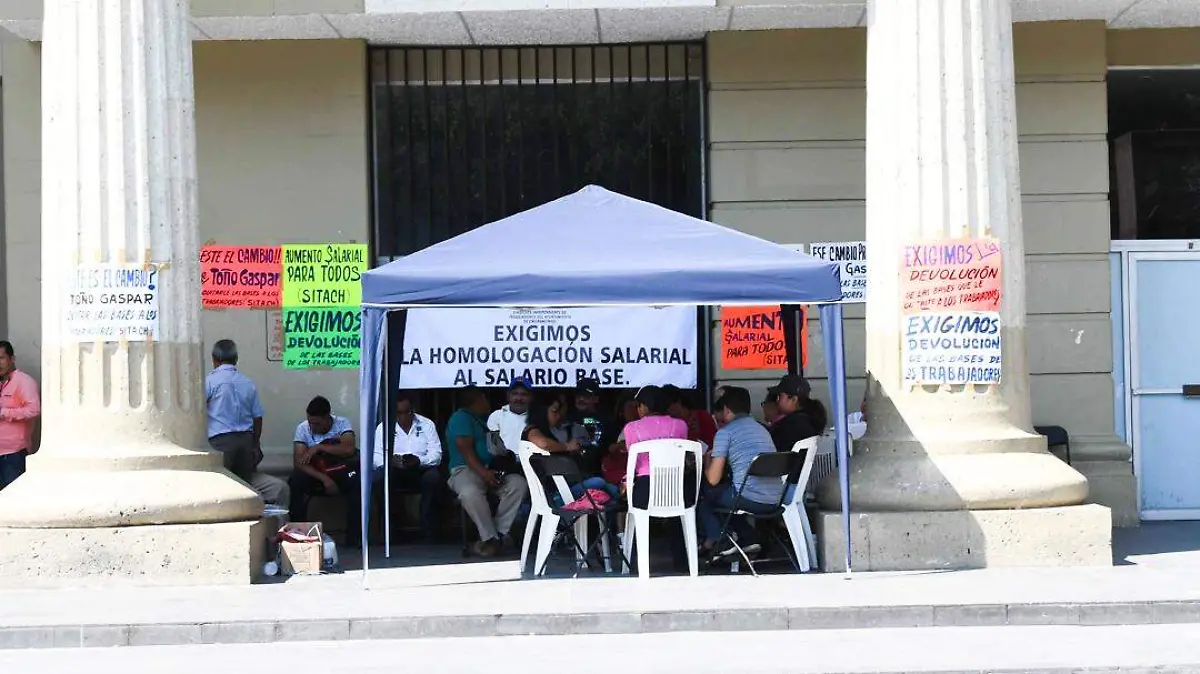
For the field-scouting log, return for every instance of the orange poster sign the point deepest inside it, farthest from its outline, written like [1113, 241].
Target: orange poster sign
[241, 277]
[951, 275]
[752, 338]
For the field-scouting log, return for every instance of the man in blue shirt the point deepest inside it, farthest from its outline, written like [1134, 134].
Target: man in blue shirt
[471, 477]
[740, 440]
[235, 418]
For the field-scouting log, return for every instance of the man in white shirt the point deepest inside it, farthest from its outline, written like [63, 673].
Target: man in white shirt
[510, 420]
[416, 455]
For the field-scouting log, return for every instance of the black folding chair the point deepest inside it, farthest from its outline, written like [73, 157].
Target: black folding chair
[548, 467]
[768, 466]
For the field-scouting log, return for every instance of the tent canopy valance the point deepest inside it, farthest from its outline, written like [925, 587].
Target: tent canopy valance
[596, 248]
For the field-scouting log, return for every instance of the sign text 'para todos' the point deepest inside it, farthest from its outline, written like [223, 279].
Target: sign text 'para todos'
[752, 338]
[323, 275]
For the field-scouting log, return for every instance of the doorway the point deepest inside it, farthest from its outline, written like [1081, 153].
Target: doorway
[1162, 321]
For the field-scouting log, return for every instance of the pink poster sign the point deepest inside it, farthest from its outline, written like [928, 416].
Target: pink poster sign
[951, 275]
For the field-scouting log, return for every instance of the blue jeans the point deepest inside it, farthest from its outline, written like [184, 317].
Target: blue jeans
[12, 466]
[723, 496]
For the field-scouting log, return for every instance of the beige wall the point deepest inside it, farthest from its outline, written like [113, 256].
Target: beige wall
[20, 68]
[787, 122]
[282, 147]
[282, 139]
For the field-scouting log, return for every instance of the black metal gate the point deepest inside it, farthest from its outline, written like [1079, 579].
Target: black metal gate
[466, 136]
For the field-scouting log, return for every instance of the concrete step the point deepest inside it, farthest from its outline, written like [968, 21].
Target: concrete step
[490, 600]
[939, 650]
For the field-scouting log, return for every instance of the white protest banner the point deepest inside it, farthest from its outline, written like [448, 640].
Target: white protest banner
[618, 346]
[951, 348]
[852, 257]
[113, 302]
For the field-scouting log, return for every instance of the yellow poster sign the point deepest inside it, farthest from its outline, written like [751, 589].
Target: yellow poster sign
[323, 275]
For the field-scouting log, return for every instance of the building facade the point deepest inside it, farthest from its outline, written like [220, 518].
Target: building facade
[756, 116]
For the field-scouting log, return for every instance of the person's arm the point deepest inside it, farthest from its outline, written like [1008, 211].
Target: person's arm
[715, 471]
[432, 456]
[28, 406]
[302, 461]
[466, 449]
[344, 448]
[493, 421]
[257, 411]
[552, 445]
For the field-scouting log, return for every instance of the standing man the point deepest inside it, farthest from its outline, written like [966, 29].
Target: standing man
[323, 457]
[471, 476]
[416, 455]
[235, 418]
[19, 408]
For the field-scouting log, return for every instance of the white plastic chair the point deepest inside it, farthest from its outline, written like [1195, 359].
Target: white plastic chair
[668, 459]
[540, 511]
[795, 515]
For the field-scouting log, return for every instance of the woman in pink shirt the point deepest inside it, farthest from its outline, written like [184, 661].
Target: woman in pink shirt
[19, 407]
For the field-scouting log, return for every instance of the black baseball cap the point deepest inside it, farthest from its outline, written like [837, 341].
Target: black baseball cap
[587, 386]
[793, 385]
[521, 382]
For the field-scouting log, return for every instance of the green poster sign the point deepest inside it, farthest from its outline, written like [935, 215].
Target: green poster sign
[321, 337]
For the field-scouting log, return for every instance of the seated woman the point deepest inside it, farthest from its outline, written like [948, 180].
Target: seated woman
[655, 423]
[544, 428]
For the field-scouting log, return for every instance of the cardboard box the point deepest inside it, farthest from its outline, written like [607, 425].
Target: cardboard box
[297, 554]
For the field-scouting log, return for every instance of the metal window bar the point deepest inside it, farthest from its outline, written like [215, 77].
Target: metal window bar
[463, 136]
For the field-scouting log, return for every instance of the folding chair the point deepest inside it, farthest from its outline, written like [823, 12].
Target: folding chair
[562, 519]
[768, 466]
[795, 517]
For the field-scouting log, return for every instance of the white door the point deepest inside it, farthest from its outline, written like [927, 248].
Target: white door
[1164, 343]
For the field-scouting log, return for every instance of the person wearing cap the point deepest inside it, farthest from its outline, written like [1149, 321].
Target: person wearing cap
[770, 409]
[510, 421]
[802, 417]
[600, 426]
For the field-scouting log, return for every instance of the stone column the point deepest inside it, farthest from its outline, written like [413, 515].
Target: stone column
[946, 474]
[123, 423]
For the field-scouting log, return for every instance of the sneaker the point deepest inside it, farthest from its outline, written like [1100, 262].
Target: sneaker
[489, 548]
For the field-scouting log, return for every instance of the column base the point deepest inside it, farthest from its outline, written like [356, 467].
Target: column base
[228, 553]
[967, 539]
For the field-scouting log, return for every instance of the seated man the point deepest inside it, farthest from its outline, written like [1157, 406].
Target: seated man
[416, 455]
[740, 440]
[471, 477]
[325, 462]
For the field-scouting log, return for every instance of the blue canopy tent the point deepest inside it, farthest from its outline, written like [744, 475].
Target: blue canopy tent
[598, 248]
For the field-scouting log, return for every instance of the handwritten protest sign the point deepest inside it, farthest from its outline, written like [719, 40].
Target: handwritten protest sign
[322, 337]
[323, 275]
[951, 275]
[110, 303]
[275, 337]
[554, 347]
[951, 348]
[240, 277]
[851, 257]
[752, 338]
